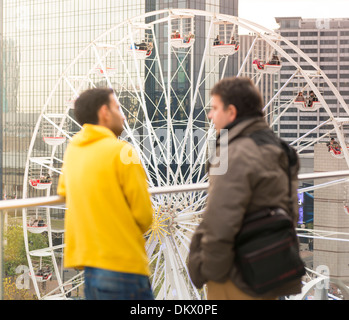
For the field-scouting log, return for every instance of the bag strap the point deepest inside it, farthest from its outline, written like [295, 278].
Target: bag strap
[292, 160]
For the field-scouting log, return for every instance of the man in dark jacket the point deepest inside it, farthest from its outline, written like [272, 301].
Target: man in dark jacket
[255, 177]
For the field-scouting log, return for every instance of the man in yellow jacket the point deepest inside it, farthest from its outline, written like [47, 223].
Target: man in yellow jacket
[108, 204]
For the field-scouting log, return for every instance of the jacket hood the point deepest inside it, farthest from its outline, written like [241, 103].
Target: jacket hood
[91, 133]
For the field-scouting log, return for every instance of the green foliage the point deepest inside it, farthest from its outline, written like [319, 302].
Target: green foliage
[14, 250]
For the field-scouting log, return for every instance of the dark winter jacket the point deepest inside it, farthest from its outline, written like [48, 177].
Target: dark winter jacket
[255, 177]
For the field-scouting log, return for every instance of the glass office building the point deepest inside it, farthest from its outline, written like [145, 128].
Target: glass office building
[41, 38]
[325, 41]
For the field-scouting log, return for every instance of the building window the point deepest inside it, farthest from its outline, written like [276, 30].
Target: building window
[328, 33]
[289, 34]
[290, 24]
[309, 34]
[308, 42]
[328, 50]
[328, 42]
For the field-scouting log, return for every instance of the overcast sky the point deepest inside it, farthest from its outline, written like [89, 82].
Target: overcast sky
[264, 11]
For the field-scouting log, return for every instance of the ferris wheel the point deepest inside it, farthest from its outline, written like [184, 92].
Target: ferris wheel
[151, 62]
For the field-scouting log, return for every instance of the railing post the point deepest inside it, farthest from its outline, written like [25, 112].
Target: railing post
[1, 256]
[1, 150]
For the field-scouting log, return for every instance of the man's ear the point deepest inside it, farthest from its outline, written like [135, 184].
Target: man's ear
[103, 114]
[232, 112]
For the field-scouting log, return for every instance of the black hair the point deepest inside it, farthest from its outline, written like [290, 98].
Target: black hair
[242, 93]
[88, 104]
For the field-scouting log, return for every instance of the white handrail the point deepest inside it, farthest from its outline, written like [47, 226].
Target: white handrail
[322, 175]
[58, 200]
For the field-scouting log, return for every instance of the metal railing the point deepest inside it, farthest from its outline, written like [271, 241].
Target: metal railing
[58, 200]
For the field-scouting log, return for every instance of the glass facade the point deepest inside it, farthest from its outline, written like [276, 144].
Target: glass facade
[41, 41]
[325, 42]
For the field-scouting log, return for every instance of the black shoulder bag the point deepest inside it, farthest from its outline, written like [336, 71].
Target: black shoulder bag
[267, 248]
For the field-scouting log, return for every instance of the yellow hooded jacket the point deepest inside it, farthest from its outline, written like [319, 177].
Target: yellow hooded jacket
[108, 203]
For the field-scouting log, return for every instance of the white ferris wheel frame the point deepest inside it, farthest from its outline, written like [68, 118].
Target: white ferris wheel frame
[169, 248]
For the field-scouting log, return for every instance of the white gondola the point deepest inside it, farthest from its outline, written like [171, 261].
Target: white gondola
[182, 33]
[267, 68]
[141, 42]
[226, 42]
[108, 71]
[36, 223]
[54, 135]
[36, 184]
[41, 269]
[36, 229]
[180, 43]
[225, 49]
[303, 106]
[54, 141]
[42, 278]
[140, 54]
[338, 154]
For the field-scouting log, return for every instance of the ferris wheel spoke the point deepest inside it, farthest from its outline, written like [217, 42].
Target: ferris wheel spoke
[58, 127]
[183, 264]
[313, 141]
[161, 73]
[190, 205]
[193, 102]
[176, 265]
[275, 109]
[250, 50]
[186, 228]
[196, 150]
[189, 223]
[197, 129]
[164, 98]
[158, 275]
[130, 134]
[76, 94]
[309, 132]
[150, 73]
[43, 163]
[259, 77]
[281, 89]
[180, 65]
[182, 236]
[191, 216]
[202, 155]
[169, 128]
[153, 256]
[149, 128]
[180, 103]
[288, 105]
[213, 69]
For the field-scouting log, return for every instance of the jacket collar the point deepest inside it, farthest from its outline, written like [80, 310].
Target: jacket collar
[243, 126]
[91, 133]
